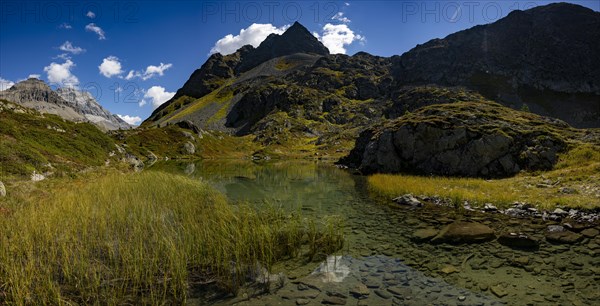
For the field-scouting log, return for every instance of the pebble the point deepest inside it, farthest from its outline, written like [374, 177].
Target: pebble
[498, 291]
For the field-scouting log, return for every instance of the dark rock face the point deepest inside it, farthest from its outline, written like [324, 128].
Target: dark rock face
[32, 90]
[461, 139]
[550, 52]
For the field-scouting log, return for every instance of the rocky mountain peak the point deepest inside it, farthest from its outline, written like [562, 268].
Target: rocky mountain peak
[31, 83]
[67, 102]
[296, 39]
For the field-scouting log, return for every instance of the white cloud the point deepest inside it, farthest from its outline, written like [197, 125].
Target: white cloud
[142, 103]
[131, 120]
[67, 46]
[92, 27]
[90, 15]
[132, 74]
[110, 67]
[341, 18]
[61, 74]
[5, 84]
[65, 25]
[335, 37]
[150, 72]
[34, 76]
[157, 95]
[253, 35]
[63, 56]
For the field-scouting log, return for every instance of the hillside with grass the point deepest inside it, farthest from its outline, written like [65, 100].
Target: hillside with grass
[44, 143]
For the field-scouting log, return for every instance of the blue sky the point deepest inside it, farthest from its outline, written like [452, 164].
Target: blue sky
[134, 55]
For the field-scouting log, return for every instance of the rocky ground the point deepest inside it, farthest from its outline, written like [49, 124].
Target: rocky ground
[467, 258]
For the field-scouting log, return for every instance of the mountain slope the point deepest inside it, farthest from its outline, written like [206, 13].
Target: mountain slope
[68, 103]
[544, 57]
[547, 57]
[31, 141]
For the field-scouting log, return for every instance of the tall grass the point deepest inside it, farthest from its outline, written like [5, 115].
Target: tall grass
[139, 239]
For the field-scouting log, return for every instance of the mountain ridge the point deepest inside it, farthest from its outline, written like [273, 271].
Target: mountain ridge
[68, 103]
[333, 93]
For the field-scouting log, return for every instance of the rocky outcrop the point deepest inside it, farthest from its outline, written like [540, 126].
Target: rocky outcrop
[475, 139]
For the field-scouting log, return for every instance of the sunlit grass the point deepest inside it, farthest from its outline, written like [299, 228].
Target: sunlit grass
[140, 239]
[580, 166]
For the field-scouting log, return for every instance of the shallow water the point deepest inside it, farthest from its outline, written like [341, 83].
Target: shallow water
[378, 242]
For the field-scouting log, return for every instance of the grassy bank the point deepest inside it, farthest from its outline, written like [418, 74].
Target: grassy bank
[578, 170]
[146, 238]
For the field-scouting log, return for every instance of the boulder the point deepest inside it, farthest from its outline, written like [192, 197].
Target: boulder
[464, 232]
[134, 162]
[2, 190]
[518, 240]
[408, 199]
[189, 148]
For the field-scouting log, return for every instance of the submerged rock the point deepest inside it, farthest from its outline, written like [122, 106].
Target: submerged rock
[518, 240]
[464, 232]
[359, 291]
[558, 234]
[424, 234]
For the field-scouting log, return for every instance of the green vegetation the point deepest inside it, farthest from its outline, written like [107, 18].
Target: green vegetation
[168, 142]
[220, 95]
[146, 238]
[30, 141]
[577, 169]
[285, 64]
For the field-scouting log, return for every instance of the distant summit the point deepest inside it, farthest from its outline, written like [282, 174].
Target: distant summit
[68, 103]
